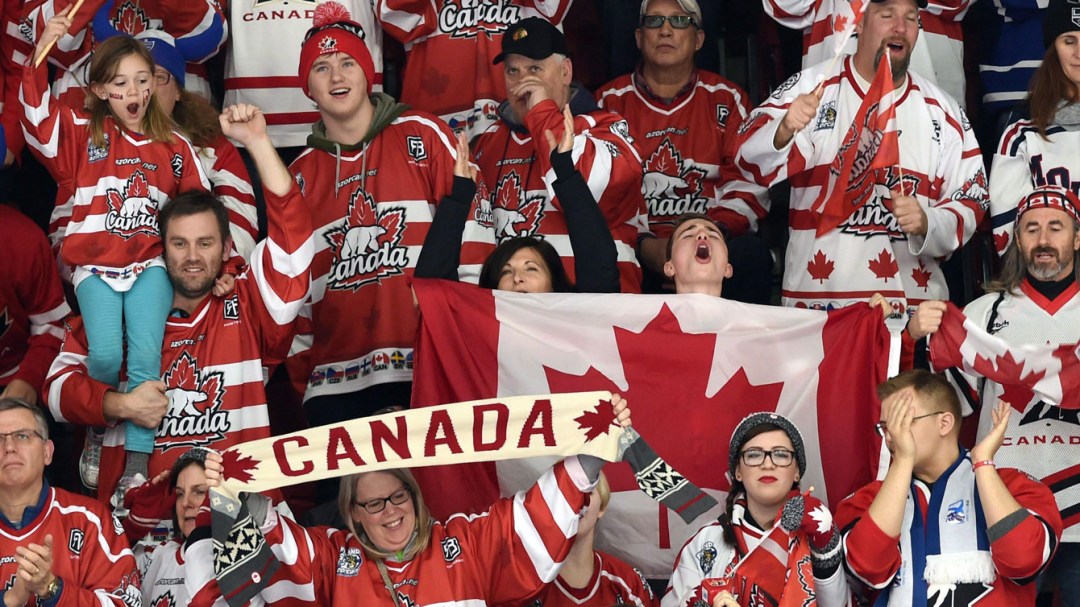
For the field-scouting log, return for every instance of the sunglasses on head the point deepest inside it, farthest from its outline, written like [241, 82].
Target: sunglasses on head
[679, 22]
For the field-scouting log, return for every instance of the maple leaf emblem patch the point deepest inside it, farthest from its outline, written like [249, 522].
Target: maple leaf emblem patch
[515, 212]
[131, 19]
[132, 211]
[672, 185]
[195, 417]
[367, 244]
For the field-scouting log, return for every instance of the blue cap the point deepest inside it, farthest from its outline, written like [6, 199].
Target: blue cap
[162, 47]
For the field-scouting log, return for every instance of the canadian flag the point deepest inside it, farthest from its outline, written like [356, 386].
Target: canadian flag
[842, 25]
[691, 367]
[1025, 373]
[871, 143]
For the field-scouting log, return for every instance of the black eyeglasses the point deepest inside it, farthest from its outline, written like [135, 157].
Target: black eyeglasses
[21, 437]
[378, 504]
[780, 457]
[882, 427]
[679, 22]
[162, 78]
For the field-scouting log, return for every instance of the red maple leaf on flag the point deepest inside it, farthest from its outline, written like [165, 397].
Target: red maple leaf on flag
[1069, 376]
[921, 276]
[1001, 241]
[1012, 376]
[661, 405]
[597, 421]
[884, 266]
[839, 23]
[820, 267]
[238, 468]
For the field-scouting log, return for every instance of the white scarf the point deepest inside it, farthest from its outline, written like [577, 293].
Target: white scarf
[951, 549]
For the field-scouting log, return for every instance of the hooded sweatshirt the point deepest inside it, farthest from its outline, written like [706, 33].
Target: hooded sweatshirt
[371, 204]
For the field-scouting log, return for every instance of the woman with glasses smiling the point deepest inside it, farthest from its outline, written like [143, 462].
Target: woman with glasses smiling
[766, 462]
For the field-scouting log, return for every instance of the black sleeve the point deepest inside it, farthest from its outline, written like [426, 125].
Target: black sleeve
[594, 249]
[441, 253]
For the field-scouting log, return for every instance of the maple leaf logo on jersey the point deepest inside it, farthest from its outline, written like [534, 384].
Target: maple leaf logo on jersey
[672, 186]
[165, 600]
[367, 244]
[516, 213]
[477, 17]
[975, 190]
[131, 18]
[132, 211]
[195, 416]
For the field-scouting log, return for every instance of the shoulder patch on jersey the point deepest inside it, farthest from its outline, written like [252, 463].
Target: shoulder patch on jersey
[722, 113]
[231, 307]
[95, 153]
[415, 146]
[706, 557]
[826, 116]
[786, 86]
[451, 549]
[349, 561]
[177, 164]
[76, 538]
[299, 178]
[622, 129]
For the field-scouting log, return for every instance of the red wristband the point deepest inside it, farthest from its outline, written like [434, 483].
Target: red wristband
[985, 462]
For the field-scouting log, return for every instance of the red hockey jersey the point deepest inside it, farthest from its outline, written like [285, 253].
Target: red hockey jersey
[518, 167]
[372, 207]
[502, 556]
[90, 552]
[117, 188]
[32, 305]
[613, 582]
[212, 362]
[689, 146]
[450, 46]
[1018, 556]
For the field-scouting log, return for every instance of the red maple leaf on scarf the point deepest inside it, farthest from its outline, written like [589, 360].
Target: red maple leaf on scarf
[820, 267]
[884, 266]
[597, 421]
[236, 467]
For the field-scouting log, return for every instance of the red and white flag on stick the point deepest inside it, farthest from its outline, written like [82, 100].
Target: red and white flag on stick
[1026, 373]
[841, 27]
[690, 366]
[871, 144]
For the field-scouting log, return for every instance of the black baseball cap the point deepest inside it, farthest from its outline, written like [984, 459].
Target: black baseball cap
[532, 37]
[920, 3]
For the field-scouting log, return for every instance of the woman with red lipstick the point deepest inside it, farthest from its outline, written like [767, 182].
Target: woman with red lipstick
[119, 159]
[766, 462]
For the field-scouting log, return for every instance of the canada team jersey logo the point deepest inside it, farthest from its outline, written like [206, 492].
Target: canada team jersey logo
[132, 211]
[164, 600]
[515, 212]
[672, 186]
[131, 19]
[367, 245]
[467, 18]
[195, 416]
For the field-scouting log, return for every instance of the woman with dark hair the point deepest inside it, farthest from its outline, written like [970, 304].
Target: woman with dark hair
[525, 263]
[766, 461]
[1041, 145]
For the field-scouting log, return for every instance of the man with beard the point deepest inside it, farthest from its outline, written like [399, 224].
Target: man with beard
[1035, 300]
[215, 348]
[913, 216]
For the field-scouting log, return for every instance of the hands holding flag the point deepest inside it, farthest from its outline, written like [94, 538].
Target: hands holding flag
[798, 116]
[909, 214]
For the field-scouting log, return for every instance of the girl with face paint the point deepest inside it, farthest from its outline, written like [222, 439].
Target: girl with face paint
[116, 162]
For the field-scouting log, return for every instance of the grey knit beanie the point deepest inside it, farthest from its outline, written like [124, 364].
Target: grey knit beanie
[742, 432]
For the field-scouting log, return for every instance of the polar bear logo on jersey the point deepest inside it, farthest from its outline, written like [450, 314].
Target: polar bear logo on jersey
[360, 240]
